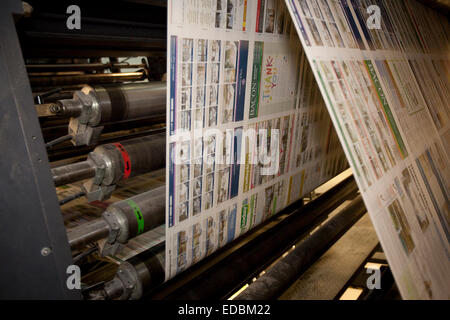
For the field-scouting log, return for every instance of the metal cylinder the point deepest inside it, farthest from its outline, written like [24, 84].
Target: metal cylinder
[45, 81]
[87, 233]
[288, 269]
[131, 157]
[73, 172]
[117, 102]
[131, 101]
[150, 266]
[138, 214]
[119, 160]
[138, 275]
[123, 220]
[57, 67]
[69, 108]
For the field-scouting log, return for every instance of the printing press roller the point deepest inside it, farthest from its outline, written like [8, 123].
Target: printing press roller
[137, 275]
[93, 107]
[113, 162]
[122, 221]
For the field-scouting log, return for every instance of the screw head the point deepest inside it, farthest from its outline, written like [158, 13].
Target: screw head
[55, 108]
[46, 251]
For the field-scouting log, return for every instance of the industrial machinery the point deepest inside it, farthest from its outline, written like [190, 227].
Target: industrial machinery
[90, 106]
[122, 221]
[99, 100]
[110, 163]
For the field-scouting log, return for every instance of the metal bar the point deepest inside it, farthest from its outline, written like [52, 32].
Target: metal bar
[79, 66]
[141, 30]
[87, 233]
[220, 275]
[46, 109]
[40, 97]
[73, 172]
[69, 151]
[288, 269]
[59, 140]
[71, 198]
[87, 78]
[122, 214]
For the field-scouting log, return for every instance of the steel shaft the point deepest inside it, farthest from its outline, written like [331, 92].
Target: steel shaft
[128, 218]
[87, 233]
[45, 81]
[73, 172]
[120, 160]
[119, 102]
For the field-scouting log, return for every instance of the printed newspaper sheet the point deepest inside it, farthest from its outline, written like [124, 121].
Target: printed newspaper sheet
[386, 88]
[248, 129]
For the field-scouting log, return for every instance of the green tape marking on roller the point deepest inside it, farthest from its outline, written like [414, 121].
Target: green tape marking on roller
[139, 217]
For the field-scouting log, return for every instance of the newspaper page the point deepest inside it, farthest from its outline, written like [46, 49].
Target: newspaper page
[383, 70]
[248, 130]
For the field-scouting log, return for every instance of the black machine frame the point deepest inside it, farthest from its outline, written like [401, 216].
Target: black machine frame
[34, 250]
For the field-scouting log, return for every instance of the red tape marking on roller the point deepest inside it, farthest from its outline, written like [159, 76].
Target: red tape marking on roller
[126, 160]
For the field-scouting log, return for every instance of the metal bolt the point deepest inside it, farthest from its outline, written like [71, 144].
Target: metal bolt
[46, 251]
[55, 108]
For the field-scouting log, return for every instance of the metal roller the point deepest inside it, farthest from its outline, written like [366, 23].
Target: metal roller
[137, 275]
[59, 67]
[143, 273]
[92, 107]
[113, 162]
[65, 80]
[285, 271]
[73, 172]
[122, 221]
